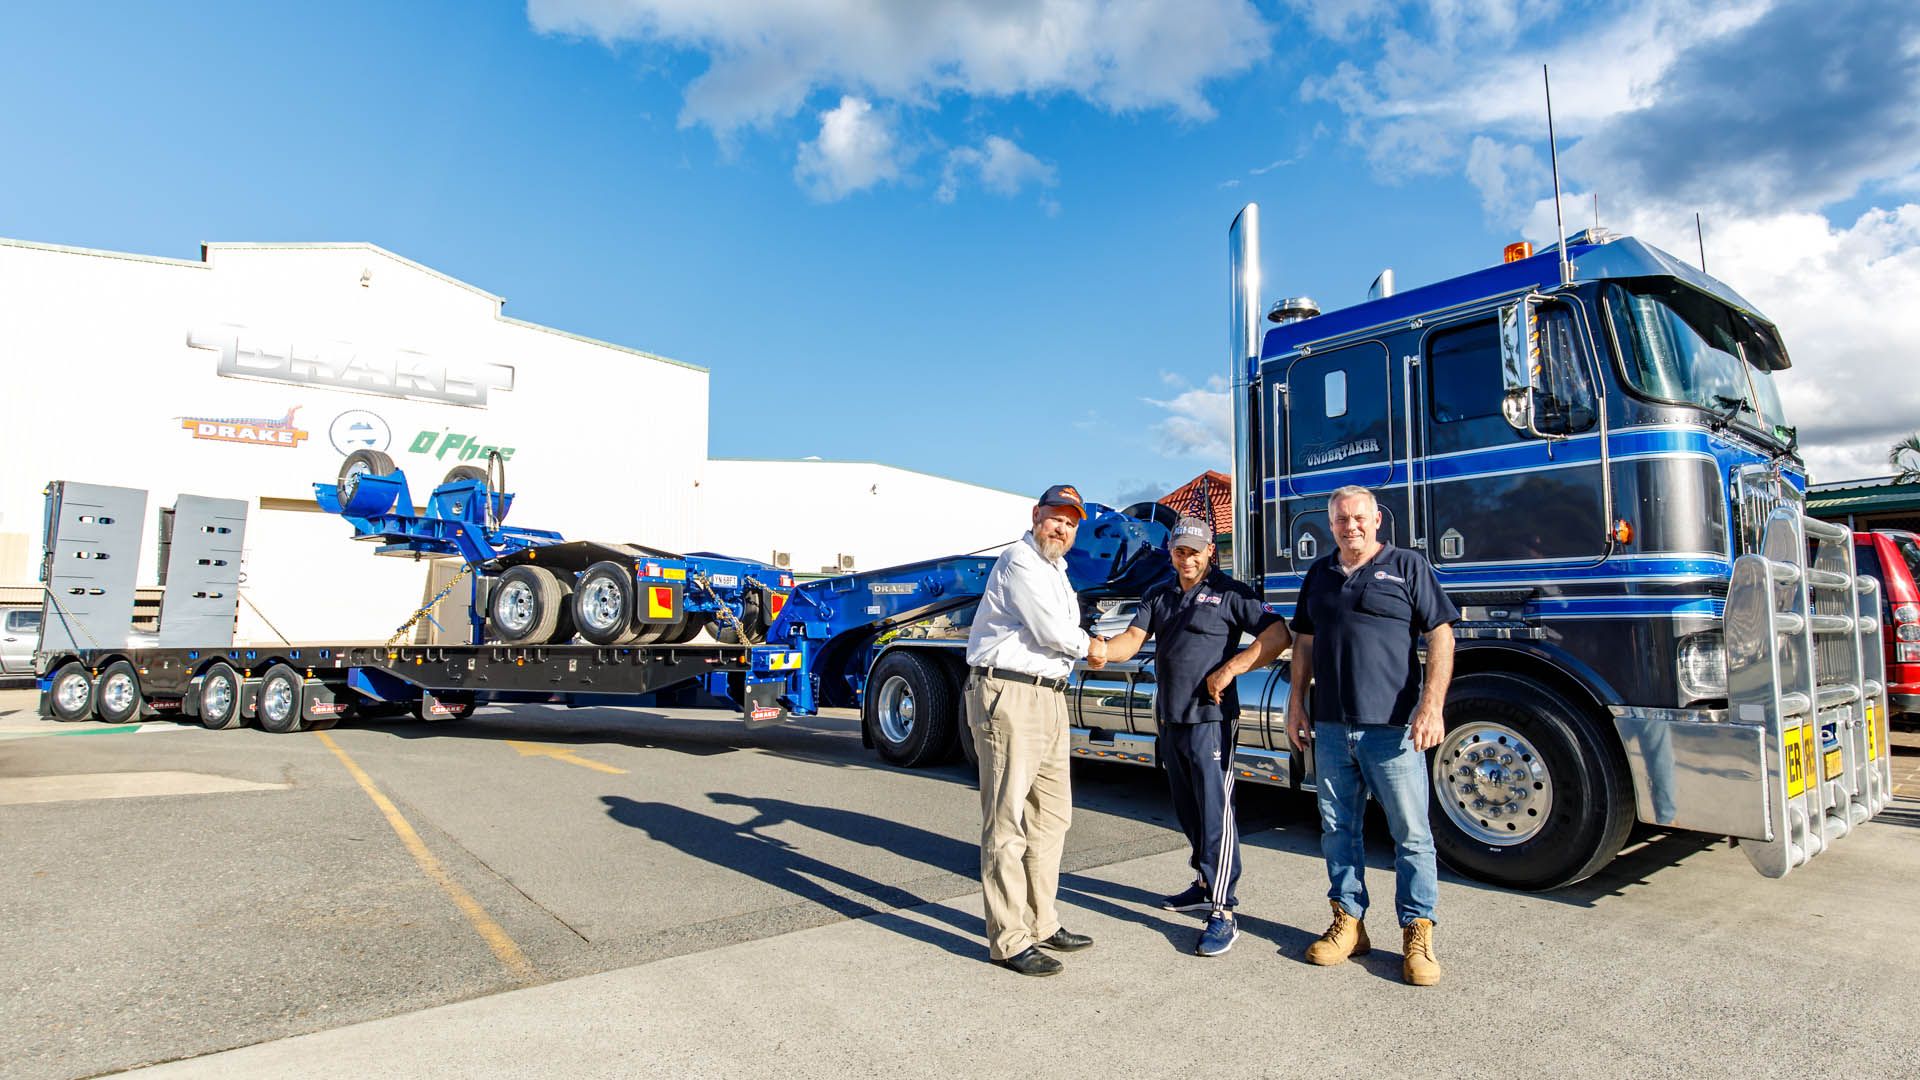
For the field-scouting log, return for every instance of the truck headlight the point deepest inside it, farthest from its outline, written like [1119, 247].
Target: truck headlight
[1702, 664]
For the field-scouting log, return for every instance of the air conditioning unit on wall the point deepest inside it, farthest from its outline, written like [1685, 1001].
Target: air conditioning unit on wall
[783, 560]
[846, 562]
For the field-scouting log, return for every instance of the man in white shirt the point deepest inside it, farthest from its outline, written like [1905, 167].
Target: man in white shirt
[1026, 635]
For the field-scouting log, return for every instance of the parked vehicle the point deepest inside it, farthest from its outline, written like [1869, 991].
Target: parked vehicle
[19, 640]
[1893, 557]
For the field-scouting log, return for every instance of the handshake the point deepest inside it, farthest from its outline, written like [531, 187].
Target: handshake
[1096, 653]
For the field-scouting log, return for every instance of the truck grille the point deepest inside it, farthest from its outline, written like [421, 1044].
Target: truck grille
[1758, 490]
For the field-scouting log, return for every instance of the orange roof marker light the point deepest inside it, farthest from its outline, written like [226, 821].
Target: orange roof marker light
[1514, 252]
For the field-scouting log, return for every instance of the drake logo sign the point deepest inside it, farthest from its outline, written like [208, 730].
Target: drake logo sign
[338, 366]
[256, 430]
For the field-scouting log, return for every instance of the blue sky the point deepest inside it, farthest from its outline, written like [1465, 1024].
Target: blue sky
[985, 238]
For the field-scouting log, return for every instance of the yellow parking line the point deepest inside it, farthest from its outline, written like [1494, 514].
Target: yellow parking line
[490, 931]
[561, 753]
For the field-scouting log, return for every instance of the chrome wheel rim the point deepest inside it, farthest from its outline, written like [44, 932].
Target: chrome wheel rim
[1492, 783]
[351, 481]
[600, 607]
[117, 695]
[896, 709]
[216, 698]
[276, 701]
[72, 693]
[514, 609]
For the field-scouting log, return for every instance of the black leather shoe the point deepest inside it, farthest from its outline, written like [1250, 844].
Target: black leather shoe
[1031, 961]
[1064, 940]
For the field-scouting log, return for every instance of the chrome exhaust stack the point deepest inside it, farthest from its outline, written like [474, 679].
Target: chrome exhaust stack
[1243, 358]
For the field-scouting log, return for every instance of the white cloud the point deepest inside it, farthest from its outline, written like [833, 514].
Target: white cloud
[765, 57]
[1000, 166]
[1199, 420]
[855, 150]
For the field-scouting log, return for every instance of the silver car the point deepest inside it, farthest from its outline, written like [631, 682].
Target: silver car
[19, 638]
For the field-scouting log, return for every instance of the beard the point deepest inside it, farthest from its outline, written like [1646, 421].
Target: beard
[1052, 549]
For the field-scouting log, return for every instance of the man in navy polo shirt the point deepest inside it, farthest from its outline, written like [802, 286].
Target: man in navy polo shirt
[1362, 610]
[1198, 620]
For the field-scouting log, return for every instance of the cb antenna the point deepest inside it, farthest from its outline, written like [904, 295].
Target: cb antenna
[1553, 155]
[1700, 235]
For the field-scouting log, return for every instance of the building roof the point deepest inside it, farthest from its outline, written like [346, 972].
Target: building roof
[1873, 495]
[1208, 497]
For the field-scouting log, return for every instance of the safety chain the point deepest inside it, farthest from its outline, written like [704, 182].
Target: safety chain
[726, 614]
[407, 627]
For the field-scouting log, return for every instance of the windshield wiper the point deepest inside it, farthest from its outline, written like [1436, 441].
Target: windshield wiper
[1733, 407]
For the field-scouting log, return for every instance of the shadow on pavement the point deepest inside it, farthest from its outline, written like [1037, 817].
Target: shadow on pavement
[744, 849]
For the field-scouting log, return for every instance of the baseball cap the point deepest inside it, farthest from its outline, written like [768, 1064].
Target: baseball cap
[1065, 495]
[1191, 532]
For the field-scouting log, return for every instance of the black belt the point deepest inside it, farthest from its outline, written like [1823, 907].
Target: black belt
[1057, 685]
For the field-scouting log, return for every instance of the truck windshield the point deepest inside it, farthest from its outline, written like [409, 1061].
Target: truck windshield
[1684, 346]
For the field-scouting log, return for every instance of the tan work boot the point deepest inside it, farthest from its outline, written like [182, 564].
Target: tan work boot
[1346, 937]
[1417, 965]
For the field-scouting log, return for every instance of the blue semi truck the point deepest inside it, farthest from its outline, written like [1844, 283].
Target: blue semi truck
[1586, 443]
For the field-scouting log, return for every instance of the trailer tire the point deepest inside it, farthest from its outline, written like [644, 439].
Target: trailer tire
[220, 698]
[464, 472]
[602, 604]
[1527, 793]
[70, 694]
[526, 606]
[433, 707]
[116, 694]
[357, 464]
[280, 693]
[910, 710]
[688, 629]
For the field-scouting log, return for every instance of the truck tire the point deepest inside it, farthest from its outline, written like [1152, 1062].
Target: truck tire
[688, 629]
[434, 707]
[603, 604]
[358, 464]
[70, 695]
[280, 692]
[464, 472]
[116, 694]
[1527, 793]
[910, 709]
[526, 606]
[220, 698]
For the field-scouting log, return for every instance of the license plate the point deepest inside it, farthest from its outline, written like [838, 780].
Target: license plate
[1793, 747]
[725, 581]
[1873, 735]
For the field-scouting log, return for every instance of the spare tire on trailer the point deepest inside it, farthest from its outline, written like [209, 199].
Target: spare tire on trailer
[603, 602]
[910, 709]
[70, 695]
[527, 606]
[358, 464]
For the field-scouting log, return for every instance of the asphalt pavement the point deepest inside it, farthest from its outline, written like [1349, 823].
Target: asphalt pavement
[689, 899]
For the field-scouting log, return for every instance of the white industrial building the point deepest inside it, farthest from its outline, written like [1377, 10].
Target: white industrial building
[252, 372]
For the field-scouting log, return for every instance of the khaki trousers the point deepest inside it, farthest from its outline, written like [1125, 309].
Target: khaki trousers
[1026, 804]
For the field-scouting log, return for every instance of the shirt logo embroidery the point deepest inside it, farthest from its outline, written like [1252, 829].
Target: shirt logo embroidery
[1206, 599]
[1382, 575]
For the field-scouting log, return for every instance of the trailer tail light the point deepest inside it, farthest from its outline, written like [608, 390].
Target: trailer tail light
[1516, 251]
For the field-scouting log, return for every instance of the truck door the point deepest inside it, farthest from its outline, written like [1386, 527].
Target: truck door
[1339, 431]
[19, 637]
[1496, 495]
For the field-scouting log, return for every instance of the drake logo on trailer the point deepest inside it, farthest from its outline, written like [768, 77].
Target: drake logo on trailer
[253, 430]
[399, 373]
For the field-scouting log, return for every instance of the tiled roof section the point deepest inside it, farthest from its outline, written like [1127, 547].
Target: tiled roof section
[1208, 497]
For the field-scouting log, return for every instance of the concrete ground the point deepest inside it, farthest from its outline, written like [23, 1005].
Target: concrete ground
[781, 904]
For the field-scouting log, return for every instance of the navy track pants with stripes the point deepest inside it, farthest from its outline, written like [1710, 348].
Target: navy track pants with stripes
[1199, 760]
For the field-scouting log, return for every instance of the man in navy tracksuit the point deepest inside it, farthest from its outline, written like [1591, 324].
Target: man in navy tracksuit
[1197, 621]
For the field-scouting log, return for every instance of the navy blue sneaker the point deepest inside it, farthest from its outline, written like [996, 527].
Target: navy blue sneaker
[1193, 898]
[1219, 936]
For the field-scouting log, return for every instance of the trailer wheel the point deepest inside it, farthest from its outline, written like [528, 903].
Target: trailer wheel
[279, 710]
[220, 698]
[358, 464]
[688, 629]
[434, 707]
[603, 603]
[526, 605]
[1526, 793]
[464, 472]
[910, 709]
[71, 693]
[117, 695]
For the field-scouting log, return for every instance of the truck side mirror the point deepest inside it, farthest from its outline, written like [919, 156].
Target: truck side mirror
[1519, 361]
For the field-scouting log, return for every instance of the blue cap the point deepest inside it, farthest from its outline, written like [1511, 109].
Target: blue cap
[1191, 532]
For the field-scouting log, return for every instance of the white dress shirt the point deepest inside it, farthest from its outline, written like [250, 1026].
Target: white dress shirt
[1029, 616]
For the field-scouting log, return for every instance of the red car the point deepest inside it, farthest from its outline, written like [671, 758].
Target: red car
[1893, 556]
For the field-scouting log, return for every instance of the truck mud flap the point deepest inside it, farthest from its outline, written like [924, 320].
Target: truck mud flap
[768, 668]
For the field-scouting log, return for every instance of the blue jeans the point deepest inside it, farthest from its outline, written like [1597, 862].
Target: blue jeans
[1349, 760]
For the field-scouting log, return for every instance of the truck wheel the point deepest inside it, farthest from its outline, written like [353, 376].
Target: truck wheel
[910, 709]
[71, 694]
[464, 472]
[526, 605]
[220, 698]
[1526, 793]
[117, 698]
[279, 710]
[358, 464]
[433, 707]
[688, 629]
[603, 603]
